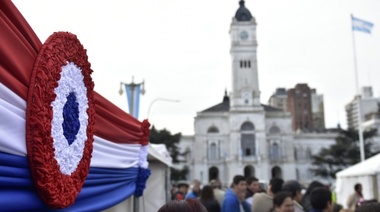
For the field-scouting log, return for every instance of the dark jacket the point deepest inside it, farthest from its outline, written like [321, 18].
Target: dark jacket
[248, 193]
[212, 205]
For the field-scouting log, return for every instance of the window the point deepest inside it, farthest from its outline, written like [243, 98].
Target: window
[308, 153]
[275, 152]
[274, 130]
[297, 174]
[248, 141]
[247, 126]
[213, 152]
[213, 129]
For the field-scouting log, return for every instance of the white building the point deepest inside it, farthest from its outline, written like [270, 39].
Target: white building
[368, 105]
[240, 135]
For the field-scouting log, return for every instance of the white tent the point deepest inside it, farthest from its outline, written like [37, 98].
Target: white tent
[157, 191]
[367, 173]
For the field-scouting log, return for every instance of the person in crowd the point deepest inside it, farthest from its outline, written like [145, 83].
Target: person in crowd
[195, 191]
[337, 207]
[355, 198]
[234, 198]
[188, 205]
[305, 202]
[173, 191]
[253, 186]
[295, 189]
[208, 200]
[370, 206]
[263, 202]
[321, 200]
[182, 191]
[283, 202]
[218, 192]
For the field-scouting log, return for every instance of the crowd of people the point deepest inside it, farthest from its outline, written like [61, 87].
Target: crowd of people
[246, 195]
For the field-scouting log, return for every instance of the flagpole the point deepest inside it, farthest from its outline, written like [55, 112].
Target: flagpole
[360, 127]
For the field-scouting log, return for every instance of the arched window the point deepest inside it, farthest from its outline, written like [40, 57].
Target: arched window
[296, 153]
[247, 126]
[249, 171]
[274, 130]
[213, 129]
[248, 142]
[213, 152]
[276, 172]
[213, 173]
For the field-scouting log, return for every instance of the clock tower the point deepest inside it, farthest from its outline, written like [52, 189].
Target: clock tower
[245, 84]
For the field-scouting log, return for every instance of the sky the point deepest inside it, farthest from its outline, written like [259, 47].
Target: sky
[180, 49]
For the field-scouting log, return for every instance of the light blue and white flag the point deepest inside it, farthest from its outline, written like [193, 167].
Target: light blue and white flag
[361, 25]
[133, 95]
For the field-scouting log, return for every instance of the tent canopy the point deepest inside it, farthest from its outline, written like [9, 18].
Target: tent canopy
[371, 166]
[159, 152]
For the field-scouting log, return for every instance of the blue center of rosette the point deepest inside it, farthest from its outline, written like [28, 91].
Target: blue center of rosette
[70, 123]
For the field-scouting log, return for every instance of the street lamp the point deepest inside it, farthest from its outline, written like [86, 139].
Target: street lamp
[160, 99]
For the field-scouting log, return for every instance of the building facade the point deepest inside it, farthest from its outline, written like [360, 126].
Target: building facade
[318, 111]
[368, 105]
[304, 104]
[240, 135]
[299, 105]
[279, 99]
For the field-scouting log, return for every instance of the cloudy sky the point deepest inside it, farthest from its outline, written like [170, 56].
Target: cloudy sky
[180, 48]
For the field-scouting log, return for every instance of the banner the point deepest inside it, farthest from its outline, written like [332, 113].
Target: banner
[133, 96]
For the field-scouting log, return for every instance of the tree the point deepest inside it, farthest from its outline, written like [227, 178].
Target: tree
[344, 153]
[171, 142]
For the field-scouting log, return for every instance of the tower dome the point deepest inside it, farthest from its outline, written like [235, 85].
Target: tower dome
[243, 14]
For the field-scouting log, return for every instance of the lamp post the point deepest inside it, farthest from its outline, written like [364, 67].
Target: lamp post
[160, 99]
[133, 91]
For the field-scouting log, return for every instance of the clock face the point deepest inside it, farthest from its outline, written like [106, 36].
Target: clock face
[244, 35]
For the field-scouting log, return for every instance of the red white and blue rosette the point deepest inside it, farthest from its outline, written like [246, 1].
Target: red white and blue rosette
[60, 120]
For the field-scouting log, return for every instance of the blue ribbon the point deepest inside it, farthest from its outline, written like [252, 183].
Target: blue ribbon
[103, 187]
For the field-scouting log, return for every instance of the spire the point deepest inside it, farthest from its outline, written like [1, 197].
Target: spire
[225, 97]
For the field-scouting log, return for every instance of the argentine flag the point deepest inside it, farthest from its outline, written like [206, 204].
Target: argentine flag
[361, 25]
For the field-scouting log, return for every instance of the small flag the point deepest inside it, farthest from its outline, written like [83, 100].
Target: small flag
[361, 25]
[133, 94]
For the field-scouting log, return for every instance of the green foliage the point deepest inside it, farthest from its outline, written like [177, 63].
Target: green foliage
[344, 153]
[165, 137]
[171, 142]
[176, 174]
